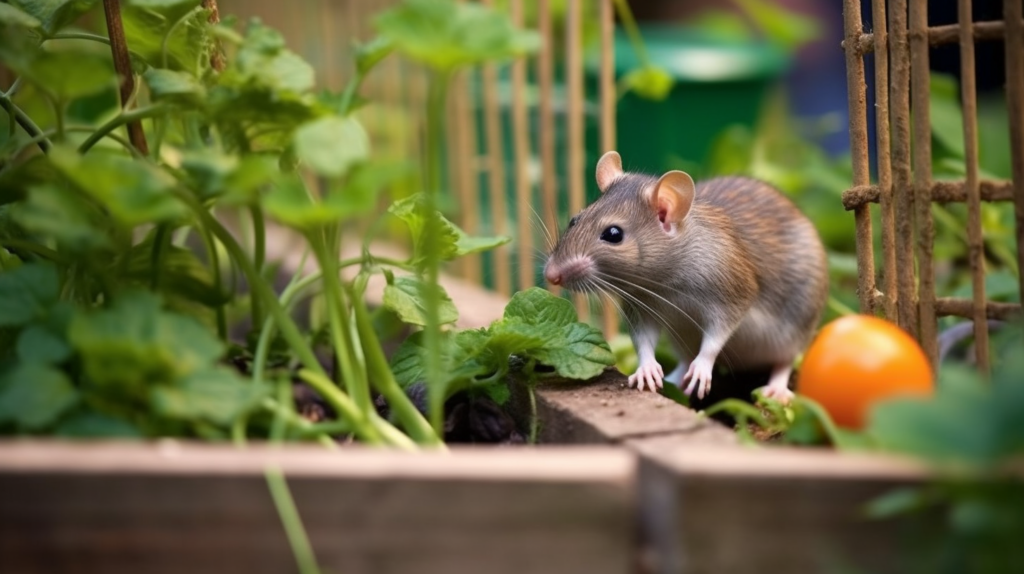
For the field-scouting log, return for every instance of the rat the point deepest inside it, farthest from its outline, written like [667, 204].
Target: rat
[730, 269]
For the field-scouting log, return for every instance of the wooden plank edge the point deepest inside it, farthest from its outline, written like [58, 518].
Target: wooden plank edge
[547, 464]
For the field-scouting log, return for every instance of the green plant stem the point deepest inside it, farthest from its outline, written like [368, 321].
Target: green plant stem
[350, 91]
[292, 522]
[340, 328]
[22, 119]
[160, 241]
[120, 120]
[534, 423]
[362, 424]
[384, 380]
[633, 31]
[31, 247]
[436, 99]
[218, 281]
[259, 233]
[287, 406]
[314, 373]
[79, 36]
[304, 427]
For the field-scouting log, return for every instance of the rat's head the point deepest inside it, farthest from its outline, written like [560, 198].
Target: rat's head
[626, 232]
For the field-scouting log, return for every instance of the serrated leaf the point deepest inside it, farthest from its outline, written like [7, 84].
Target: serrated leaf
[264, 62]
[445, 35]
[536, 305]
[405, 297]
[33, 396]
[575, 350]
[135, 344]
[179, 87]
[54, 14]
[14, 16]
[214, 395]
[27, 293]
[331, 145]
[452, 241]
[93, 425]
[135, 192]
[499, 393]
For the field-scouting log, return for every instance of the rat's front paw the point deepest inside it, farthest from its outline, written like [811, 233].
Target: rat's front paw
[649, 374]
[699, 376]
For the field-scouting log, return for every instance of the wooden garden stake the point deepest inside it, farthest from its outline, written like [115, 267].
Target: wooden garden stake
[123, 67]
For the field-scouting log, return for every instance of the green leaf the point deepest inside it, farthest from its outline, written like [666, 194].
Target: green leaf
[34, 396]
[536, 306]
[216, 395]
[55, 212]
[12, 15]
[135, 192]
[146, 25]
[236, 180]
[946, 115]
[88, 424]
[178, 87]
[404, 297]
[575, 350]
[27, 293]
[331, 145]
[371, 53]
[68, 74]
[54, 14]
[444, 34]
[453, 242]
[290, 203]
[649, 82]
[39, 344]
[263, 62]
[163, 4]
[134, 344]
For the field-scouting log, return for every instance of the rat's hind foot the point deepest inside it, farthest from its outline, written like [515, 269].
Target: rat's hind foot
[778, 385]
[650, 374]
[676, 376]
[699, 377]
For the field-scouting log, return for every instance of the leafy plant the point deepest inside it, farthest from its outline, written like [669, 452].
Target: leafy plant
[113, 324]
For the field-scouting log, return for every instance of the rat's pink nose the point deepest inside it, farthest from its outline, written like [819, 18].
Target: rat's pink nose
[553, 275]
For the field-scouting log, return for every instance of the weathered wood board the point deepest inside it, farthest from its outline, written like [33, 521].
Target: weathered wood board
[113, 508]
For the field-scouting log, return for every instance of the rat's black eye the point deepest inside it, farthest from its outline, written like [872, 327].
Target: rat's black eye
[613, 234]
[572, 221]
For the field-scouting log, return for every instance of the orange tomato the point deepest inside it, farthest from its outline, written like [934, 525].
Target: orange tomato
[858, 360]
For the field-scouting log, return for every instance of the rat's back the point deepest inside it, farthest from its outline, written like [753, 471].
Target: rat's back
[786, 251]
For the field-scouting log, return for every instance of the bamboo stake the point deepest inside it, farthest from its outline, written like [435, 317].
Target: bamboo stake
[975, 241]
[549, 173]
[608, 100]
[888, 216]
[856, 94]
[574, 81]
[521, 143]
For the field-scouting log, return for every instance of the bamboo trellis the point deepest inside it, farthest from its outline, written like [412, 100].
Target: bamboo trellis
[492, 141]
[901, 41]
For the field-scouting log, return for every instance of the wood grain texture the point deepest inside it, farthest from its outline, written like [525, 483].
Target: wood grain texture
[124, 508]
[765, 510]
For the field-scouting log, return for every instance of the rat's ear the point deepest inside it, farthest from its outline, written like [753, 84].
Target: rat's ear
[672, 198]
[609, 168]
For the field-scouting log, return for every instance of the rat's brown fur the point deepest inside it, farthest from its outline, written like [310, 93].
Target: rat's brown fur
[743, 258]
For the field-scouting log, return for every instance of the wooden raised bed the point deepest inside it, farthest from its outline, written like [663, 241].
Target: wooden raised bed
[626, 482]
